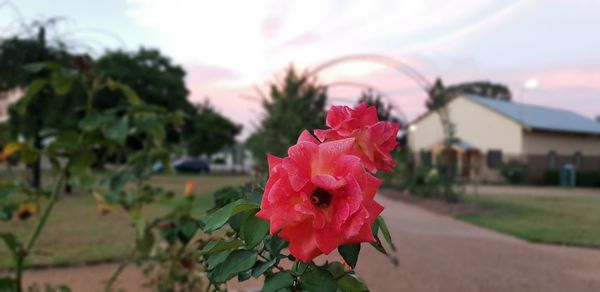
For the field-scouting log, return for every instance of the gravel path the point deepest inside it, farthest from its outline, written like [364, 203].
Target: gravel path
[436, 253]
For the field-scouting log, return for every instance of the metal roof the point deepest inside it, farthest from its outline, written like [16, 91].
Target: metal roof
[540, 117]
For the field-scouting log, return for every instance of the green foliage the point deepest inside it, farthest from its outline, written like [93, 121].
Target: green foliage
[278, 281]
[244, 249]
[482, 88]
[4, 134]
[317, 279]
[350, 253]
[208, 131]
[295, 104]
[72, 154]
[590, 178]
[513, 171]
[150, 74]
[183, 247]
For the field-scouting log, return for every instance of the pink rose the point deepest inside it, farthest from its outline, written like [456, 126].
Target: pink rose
[374, 139]
[320, 197]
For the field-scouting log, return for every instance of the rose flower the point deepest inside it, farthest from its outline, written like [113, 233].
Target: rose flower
[320, 197]
[374, 139]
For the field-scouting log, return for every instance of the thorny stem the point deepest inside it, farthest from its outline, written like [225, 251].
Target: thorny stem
[113, 278]
[266, 259]
[22, 254]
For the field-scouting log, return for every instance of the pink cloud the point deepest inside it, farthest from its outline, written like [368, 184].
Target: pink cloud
[570, 78]
[303, 39]
[200, 74]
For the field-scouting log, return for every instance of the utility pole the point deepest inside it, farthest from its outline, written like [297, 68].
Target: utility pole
[36, 166]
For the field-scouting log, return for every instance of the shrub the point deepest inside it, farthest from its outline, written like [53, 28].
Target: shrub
[551, 178]
[589, 178]
[513, 172]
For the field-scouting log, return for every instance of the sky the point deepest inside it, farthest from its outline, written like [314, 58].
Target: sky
[233, 49]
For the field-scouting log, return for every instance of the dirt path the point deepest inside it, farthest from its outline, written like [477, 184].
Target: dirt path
[436, 253]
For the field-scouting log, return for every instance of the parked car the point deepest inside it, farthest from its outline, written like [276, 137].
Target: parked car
[192, 165]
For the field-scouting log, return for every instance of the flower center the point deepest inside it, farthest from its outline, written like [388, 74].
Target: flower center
[320, 198]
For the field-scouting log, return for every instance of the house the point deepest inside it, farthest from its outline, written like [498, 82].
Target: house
[490, 132]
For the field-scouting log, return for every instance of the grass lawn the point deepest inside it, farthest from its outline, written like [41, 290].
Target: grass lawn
[558, 220]
[77, 233]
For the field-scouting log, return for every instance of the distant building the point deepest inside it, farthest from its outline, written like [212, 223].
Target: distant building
[490, 132]
[233, 159]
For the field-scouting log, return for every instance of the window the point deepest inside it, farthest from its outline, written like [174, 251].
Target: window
[494, 158]
[426, 157]
[578, 159]
[552, 159]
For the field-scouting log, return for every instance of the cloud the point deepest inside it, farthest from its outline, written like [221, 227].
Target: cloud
[570, 77]
[201, 74]
[230, 45]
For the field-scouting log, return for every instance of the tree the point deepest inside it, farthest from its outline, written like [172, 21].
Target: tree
[384, 110]
[438, 97]
[150, 74]
[30, 120]
[209, 131]
[484, 89]
[296, 103]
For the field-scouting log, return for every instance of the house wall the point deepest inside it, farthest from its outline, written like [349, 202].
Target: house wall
[563, 144]
[538, 145]
[474, 124]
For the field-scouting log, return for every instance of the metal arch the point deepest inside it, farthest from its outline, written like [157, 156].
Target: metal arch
[381, 59]
[363, 85]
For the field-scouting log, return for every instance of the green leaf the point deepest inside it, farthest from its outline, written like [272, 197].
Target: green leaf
[188, 229]
[130, 94]
[237, 261]
[298, 268]
[116, 129]
[92, 122]
[217, 219]
[221, 245]
[254, 230]
[350, 253]
[245, 275]
[7, 190]
[260, 267]
[146, 244]
[274, 244]
[6, 212]
[337, 269]
[278, 281]
[8, 285]
[27, 154]
[153, 126]
[11, 241]
[317, 280]
[351, 283]
[215, 259]
[61, 83]
[375, 227]
[385, 231]
[81, 161]
[32, 90]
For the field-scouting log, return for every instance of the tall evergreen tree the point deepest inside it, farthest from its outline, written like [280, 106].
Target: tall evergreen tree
[296, 103]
